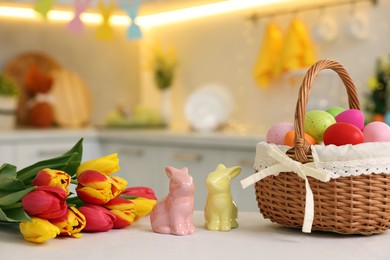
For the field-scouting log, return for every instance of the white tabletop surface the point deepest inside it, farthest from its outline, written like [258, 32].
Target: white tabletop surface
[254, 239]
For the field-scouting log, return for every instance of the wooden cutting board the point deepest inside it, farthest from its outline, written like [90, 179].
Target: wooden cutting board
[71, 99]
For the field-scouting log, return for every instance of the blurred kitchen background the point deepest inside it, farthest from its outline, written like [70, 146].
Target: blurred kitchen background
[104, 75]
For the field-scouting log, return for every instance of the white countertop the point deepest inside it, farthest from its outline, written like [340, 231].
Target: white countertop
[256, 238]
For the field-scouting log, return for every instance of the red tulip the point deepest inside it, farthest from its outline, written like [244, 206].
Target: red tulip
[124, 210]
[143, 192]
[45, 202]
[99, 219]
[96, 188]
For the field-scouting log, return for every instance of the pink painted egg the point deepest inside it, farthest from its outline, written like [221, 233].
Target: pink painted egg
[276, 132]
[352, 116]
[376, 132]
[342, 133]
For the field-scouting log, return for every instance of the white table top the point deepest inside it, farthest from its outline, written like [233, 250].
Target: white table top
[256, 238]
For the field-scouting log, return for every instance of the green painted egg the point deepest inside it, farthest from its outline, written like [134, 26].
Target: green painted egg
[316, 122]
[334, 111]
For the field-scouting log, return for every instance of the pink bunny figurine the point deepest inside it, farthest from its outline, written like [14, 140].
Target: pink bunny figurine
[173, 214]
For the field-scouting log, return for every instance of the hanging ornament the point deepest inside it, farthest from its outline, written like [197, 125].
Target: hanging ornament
[132, 8]
[104, 31]
[76, 25]
[43, 7]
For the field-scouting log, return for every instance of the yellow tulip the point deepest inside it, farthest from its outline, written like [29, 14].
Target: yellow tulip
[143, 206]
[54, 178]
[122, 183]
[106, 165]
[71, 223]
[38, 230]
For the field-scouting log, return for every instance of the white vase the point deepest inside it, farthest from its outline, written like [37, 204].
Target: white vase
[166, 105]
[8, 106]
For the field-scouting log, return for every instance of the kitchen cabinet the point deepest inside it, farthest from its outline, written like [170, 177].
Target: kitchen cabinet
[23, 148]
[143, 155]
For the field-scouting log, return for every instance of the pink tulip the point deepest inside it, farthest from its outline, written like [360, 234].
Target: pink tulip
[99, 219]
[45, 202]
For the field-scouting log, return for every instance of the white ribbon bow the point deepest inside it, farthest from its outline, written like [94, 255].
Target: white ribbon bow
[286, 164]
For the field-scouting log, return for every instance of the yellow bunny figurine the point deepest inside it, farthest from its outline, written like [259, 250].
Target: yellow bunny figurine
[220, 210]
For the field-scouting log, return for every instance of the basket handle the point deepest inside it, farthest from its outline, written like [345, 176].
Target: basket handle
[301, 146]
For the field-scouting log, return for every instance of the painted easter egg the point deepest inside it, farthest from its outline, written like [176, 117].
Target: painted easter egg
[352, 116]
[342, 133]
[334, 111]
[276, 132]
[316, 122]
[376, 132]
[289, 138]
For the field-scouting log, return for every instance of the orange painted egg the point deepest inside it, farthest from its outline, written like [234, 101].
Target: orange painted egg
[289, 138]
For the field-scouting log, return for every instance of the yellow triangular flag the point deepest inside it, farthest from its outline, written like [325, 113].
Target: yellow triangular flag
[104, 31]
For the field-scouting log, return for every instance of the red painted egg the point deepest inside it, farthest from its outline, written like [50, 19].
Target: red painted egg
[343, 133]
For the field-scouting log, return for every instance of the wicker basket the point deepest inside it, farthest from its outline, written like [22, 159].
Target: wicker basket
[347, 205]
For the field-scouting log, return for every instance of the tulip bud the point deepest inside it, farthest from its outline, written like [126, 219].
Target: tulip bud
[144, 192]
[122, 183]
[106, 165]
[99, 219]
[71, 223]
[124, 211]
[96, 188]
[38, 230]
[54, 178]
[45, 202]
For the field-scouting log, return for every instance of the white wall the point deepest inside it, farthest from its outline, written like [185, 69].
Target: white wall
[224, 48]
[217, 49]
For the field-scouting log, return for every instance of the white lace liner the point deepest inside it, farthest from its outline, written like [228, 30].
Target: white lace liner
[330, 162]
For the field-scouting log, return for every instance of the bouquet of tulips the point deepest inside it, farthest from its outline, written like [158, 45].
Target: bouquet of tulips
[39, 199]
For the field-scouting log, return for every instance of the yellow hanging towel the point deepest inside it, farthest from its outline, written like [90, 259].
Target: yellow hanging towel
[265, 62]
[297, 51]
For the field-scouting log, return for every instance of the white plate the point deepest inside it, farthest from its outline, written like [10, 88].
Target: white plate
[208, 107]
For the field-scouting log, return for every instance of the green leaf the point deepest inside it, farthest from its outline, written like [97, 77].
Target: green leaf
[75, 201]
[68, 162]
[14, 197]
[128, 197]
[14, 215]
[59, 163]
[8, 180]
[75, 163]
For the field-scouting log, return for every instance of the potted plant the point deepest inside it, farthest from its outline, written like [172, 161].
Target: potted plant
[9, 91]
[164, 65]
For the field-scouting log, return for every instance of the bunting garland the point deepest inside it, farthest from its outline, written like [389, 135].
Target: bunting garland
[43, 7]
[104, 31]
[106, 8]
[76, 25]
[134, 31]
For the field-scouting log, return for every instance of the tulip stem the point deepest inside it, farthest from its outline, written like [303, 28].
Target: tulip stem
[73, 181]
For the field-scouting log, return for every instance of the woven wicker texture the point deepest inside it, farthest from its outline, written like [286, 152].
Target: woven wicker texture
[348, 205]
